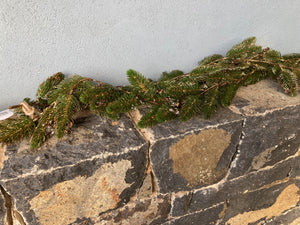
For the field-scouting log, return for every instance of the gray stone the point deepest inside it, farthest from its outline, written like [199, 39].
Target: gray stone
[91, 138]
[240, 167]
[96, 169]
[194, 159]
[262, 204]
[267, 139]
[177, 127]
[205, 217]
[233, 189]
[154, 211]
[292, 216]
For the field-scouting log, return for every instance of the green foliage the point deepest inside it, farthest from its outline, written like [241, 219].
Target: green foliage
[293, 61]
[170, 75]
[273, 56]
[288, 81]
[125, 103]
[165, 113]
[210, 59]
[149, 118]
[209, 86]
[191, 106]
[97, 98]
[139, 82]
[227, 94]
[49, 84]
[65, 109]
[245, 49]
[211, 103]
[15, 129]
[43, 128]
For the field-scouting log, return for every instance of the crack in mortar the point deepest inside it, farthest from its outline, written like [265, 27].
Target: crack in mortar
[11, 212]
[236, 154]
[135, 116]
[223, 212]
[190, 201]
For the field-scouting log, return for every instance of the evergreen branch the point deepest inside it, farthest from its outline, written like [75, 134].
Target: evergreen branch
[43, 128]
[98, 98]
[149, 118]
[125, 103]
[288, 82]
[165, 113]
[15, 129]
[212, 84]
[210, 60]
[191, 106]
[210, 103]
[173, 74]
[48, 85]
[65, 109]
[228, 93]
[138, 81]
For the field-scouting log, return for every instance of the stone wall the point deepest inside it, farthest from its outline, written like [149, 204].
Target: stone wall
[240, 167]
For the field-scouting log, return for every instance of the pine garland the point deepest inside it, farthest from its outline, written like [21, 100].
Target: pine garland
[209, 86]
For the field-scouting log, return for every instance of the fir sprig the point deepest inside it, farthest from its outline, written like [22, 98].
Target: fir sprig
[209, 86]
[15, 129]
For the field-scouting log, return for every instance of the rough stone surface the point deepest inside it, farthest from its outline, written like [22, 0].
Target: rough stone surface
[95, 138]
[2, 209]
[178, 128]
[95, 169]
[206, 197]
[154, 210]
[207, 216]
[291, 217]
[180, 162]
[251, 210]
[240, 167]
[265, 96]
[267, 140]
[190, 158]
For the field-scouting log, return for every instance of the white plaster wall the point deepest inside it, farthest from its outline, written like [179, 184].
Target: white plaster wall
[104, 38]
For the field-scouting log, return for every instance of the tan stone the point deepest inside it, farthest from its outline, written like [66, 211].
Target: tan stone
[3, 157]
[82, 196]
[287, 199]
[195, 157]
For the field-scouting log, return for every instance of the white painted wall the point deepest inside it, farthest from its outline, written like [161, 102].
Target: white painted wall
[104, 38]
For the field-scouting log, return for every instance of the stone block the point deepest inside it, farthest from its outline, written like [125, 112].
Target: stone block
[97, 168]
[264, 128]
[242, 166]
[267, 139]
[206, 197]
[194, 159]
[262, 205]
